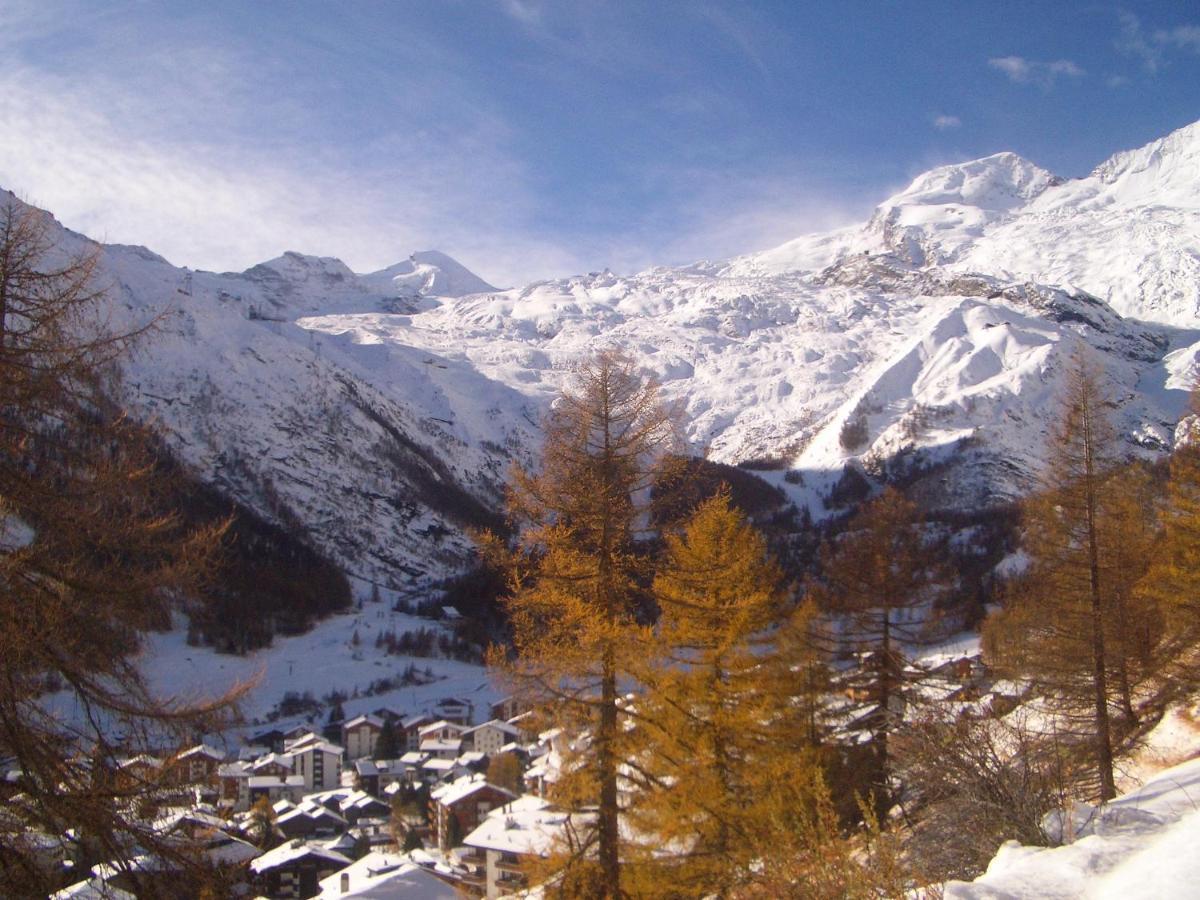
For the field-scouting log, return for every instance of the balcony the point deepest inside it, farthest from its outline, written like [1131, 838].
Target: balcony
[473, 858]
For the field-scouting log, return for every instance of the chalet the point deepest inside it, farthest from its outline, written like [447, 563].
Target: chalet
[508, 835]
[413, 761]
[138, 771]
[506, 708]
[295, 869]
[360, 735]
[278, 764]
[198, 765]
[309, 820]
[442, 739]
[454, 709]
[436, 771]
[272, 740]
[457, 808]
[272, 787]
[491, 736]
[374, 775]
[360, 806]
[409, 730]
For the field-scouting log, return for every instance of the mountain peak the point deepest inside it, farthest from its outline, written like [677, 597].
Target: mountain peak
[1166, 167]
[998, 182]
[428, 273]
[301, 267]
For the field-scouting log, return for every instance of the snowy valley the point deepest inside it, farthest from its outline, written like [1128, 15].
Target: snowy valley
[374, 417]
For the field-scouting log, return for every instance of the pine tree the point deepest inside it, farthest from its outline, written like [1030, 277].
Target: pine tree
[388, 744]
[575, 586]
[883, 582]
[709, 744]
[1071, 625]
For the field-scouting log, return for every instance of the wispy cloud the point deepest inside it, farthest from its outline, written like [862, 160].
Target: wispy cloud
[944, 122]
[527, 12]
[1133, 42]
[1150, 49]
[1185, 37]
[227, 204]
[1027, 71]
[737, 29]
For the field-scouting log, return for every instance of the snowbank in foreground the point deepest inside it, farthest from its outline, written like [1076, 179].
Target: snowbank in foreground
[1142, 844]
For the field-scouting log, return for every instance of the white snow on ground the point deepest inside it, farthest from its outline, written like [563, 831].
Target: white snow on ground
[1174, 739]
[318, 661]
[1143, 844]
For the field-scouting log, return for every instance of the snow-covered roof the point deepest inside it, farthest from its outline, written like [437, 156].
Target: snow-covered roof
[270, 781]
[203, 750]
[92, 889]
[313, 742]
[435, 746]
[292, 851]
[528, 825]
[313, 811]
[439, 725]
[365, 719]
[386, 875]
[497, 725]
[286, 760]
[460, 788]
[358, 800]
[383, 766]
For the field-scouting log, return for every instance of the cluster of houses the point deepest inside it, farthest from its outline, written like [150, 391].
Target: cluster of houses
[303, 813]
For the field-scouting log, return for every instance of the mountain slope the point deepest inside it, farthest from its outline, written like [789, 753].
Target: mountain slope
[378, 413]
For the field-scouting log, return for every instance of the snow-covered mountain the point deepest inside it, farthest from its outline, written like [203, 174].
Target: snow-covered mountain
[379, 412]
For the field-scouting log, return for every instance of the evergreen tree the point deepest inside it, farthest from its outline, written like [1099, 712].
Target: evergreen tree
[883, 582]
[388, 744]
[574, 579]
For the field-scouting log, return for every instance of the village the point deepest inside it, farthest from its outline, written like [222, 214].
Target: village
[387, 803]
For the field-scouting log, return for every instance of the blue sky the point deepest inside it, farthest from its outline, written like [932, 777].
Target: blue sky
[531, 139]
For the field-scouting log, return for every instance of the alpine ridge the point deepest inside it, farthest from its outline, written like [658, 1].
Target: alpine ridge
[379, 412]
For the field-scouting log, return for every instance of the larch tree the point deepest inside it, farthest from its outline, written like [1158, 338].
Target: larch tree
[1173, 579]
[1070, 624]
[882, 581]
[575, 588]
[92, 554]
[1134, 624]
[707, 716]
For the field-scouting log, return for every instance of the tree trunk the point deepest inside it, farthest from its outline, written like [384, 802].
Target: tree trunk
[1104, 756]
